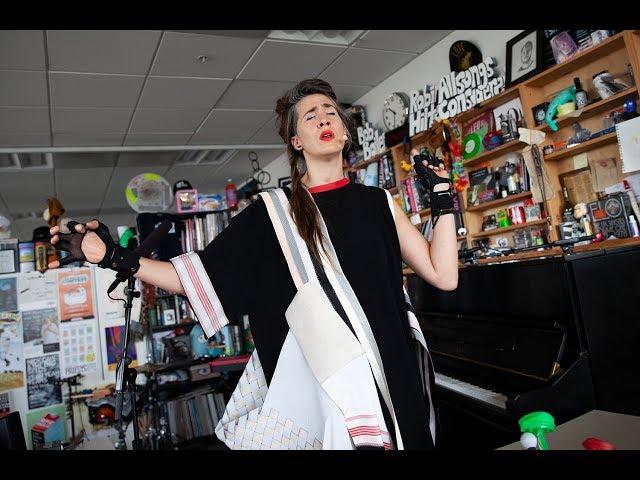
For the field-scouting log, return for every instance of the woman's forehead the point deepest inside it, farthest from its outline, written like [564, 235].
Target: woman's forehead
[314, 100]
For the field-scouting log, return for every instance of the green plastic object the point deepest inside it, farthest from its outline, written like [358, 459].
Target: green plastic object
[125, 237]
[538, 423]
[564, 96]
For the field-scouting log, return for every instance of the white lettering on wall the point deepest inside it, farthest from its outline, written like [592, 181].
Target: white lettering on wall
[455, 93]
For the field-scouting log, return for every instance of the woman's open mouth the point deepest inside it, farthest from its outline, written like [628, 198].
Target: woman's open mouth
[327, 136]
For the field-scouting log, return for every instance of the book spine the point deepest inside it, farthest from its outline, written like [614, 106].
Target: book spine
[412, 200]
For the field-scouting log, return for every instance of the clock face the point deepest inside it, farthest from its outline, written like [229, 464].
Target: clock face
[396, 111]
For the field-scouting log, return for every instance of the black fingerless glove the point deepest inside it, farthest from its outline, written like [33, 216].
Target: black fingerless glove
[116, 257]
[441, 202]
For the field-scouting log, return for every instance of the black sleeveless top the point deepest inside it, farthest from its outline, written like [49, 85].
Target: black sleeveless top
[250, 275]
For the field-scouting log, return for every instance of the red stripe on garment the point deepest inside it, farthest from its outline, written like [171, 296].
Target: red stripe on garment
[329, 186]
[360, 416]
[365, 431]
[202, 295]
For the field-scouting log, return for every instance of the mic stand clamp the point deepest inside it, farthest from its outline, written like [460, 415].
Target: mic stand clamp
[126, 376]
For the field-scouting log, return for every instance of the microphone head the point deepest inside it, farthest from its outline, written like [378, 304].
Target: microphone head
[152, 242]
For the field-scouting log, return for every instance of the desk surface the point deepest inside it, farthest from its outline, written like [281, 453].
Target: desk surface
[623, 431]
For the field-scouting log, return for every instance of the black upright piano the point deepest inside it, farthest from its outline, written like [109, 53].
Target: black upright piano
[506, 342]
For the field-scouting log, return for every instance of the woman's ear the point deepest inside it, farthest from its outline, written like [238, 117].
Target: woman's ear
[296, 143]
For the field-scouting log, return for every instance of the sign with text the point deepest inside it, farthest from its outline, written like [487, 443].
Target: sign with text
[372, 140]
[455, 93]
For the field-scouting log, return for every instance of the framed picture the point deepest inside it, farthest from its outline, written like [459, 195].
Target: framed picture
[524, 57]
[284, 181]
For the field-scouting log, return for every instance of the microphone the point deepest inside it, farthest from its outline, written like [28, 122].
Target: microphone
[145, 249]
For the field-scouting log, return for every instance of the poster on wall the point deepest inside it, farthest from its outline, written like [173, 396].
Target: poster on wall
[109, 309]
[114, 338]
[8, 294]
[11, 365]
[41, 331]
[42, 375]
[5, 402]
[75, 294]
[37, 291]
[78, 350]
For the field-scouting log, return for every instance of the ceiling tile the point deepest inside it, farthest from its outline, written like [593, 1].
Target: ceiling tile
[157, 138]
[24, 120]
[102, 51]
[23, 89]
[365, 67]
[90, 120]
[414, 41]
[201, 177]
[261, 34]
[24, 139]
[83, 160]
[82, 187]
[291, 61]
[349, 93]
[253, 94]
[146, 159]
[86, 90]
[178, 54]
[157, 120]
[87, 139]
[268, 133]
[20, 199]
[230, 126]
[179, 92]
[22, 50]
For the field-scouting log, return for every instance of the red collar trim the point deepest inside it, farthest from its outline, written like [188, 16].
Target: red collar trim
[329, 186]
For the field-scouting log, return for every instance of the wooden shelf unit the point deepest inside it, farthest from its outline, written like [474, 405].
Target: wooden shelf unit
[495, 153]
[613, 54]
[500, 201]
[592, 109]
[582, 147]
[500, 231]
[366, 163]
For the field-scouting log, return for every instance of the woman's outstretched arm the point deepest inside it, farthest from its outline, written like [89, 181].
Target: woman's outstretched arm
[436, 263]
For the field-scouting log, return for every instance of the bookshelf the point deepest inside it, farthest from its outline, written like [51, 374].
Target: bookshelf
[582, 147]
[497, 152]
[501, 201]
[499, 231]
[166, 328]
[594, 108]
[613, 54]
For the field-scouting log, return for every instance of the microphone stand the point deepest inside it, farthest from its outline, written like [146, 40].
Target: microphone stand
[126, 376]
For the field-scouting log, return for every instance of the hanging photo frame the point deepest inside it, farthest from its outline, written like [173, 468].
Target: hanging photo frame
[524, 57]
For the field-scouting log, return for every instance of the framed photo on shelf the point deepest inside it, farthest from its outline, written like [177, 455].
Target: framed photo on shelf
[284, 181]
[524, 57]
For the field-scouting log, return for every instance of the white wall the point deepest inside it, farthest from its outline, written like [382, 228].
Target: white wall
[279, 168]
[432, 65]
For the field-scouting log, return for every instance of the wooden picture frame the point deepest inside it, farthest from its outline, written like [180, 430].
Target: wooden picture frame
[524, 57]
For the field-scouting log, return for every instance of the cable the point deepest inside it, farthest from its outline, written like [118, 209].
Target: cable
[120, 299]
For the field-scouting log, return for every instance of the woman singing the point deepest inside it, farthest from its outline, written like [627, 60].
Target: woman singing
[343, 373]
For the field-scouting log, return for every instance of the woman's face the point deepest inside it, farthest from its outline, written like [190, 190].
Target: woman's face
[319, 129]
